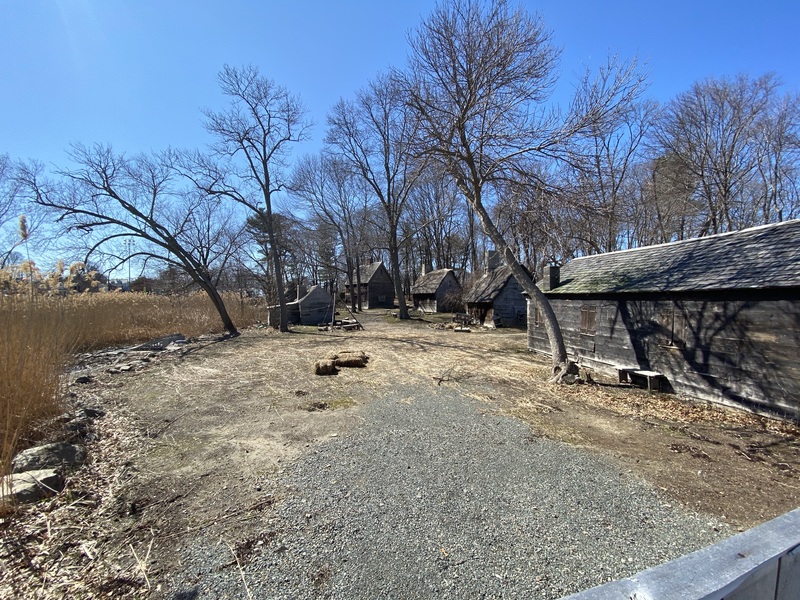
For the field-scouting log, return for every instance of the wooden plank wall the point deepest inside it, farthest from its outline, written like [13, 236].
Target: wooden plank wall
[739, 353]
[510, 306]
[381, 290]
[445, 293]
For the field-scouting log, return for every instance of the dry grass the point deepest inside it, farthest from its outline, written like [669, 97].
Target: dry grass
[113, 319]
[35, 340]
[39, 334]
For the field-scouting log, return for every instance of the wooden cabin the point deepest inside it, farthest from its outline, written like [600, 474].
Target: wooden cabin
[718, 316]
[437, 291]
[496, 299]
[377, 287]
[314, 308]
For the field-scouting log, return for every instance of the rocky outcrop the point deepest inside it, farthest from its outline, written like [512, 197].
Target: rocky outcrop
[58, 455]
[31, 486]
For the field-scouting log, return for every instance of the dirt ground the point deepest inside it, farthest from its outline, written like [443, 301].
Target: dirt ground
[193, 442]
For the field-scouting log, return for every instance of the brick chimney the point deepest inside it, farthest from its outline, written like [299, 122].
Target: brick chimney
[551, 277]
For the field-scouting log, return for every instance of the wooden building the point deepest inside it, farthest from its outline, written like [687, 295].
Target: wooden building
[496, 299]
[312, 309]
[377, 287]
[718, 316]
[315, 307]
[437, 291]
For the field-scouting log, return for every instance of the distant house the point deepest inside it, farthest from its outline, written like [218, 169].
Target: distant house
[437, 291]
[314, 308]
[718, 316]
[377, 287]
[496, 299]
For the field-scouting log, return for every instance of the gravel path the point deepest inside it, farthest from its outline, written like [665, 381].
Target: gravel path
[438, 496]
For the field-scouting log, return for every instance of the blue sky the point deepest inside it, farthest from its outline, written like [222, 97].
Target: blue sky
[136, 73]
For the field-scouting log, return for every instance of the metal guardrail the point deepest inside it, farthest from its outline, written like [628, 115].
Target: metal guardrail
[761, 563]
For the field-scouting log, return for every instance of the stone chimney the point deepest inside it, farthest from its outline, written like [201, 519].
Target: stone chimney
[551, 277]
[493, 260]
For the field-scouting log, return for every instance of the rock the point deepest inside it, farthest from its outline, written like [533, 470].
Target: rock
[31, 486]
[161, 343]
[84, 379]
[49, 456]
[89, 413]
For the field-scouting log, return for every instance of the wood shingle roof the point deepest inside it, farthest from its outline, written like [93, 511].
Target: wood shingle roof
[368, 271]
[488, 287]
[429, 282]
[765, 257]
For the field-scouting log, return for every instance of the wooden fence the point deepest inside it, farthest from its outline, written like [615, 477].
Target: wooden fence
[761, 563]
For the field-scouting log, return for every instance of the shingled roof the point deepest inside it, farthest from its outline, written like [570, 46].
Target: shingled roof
[758, 258]
[367, 271]
[488, 287]
[429, 282]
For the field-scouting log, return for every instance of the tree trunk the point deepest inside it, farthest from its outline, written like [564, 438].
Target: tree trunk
[348, 261]
[358, 284]
[219, 305]
[276, 267]
[562, 365]
[394, 259]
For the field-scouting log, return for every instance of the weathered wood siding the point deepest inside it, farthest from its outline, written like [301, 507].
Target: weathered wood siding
[445, 299]
[426, 302]
[737, 352]
[510, 306]
[379, 292]
[447, 294]
[315, 307]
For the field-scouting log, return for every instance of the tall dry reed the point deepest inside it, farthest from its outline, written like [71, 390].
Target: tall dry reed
[35, 342]
[38, 336]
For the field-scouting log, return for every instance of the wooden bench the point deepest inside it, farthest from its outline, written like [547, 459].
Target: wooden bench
[650, 379]
[351, 324]
[462, 318]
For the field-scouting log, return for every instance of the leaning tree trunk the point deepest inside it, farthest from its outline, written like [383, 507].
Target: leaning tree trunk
[562, 365]
[216, 299]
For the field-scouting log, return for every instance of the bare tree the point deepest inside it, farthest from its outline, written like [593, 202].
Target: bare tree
[373, 135]
[778, 161]
[109, 198]
[437, 219]
[336, 197]
[601, 174]
[253, 139]
[477, 77]
[738, 143]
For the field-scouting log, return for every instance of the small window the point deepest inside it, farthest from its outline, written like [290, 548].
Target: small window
[588, 319]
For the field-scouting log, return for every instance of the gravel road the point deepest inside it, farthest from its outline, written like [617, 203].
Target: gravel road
[437, 495]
